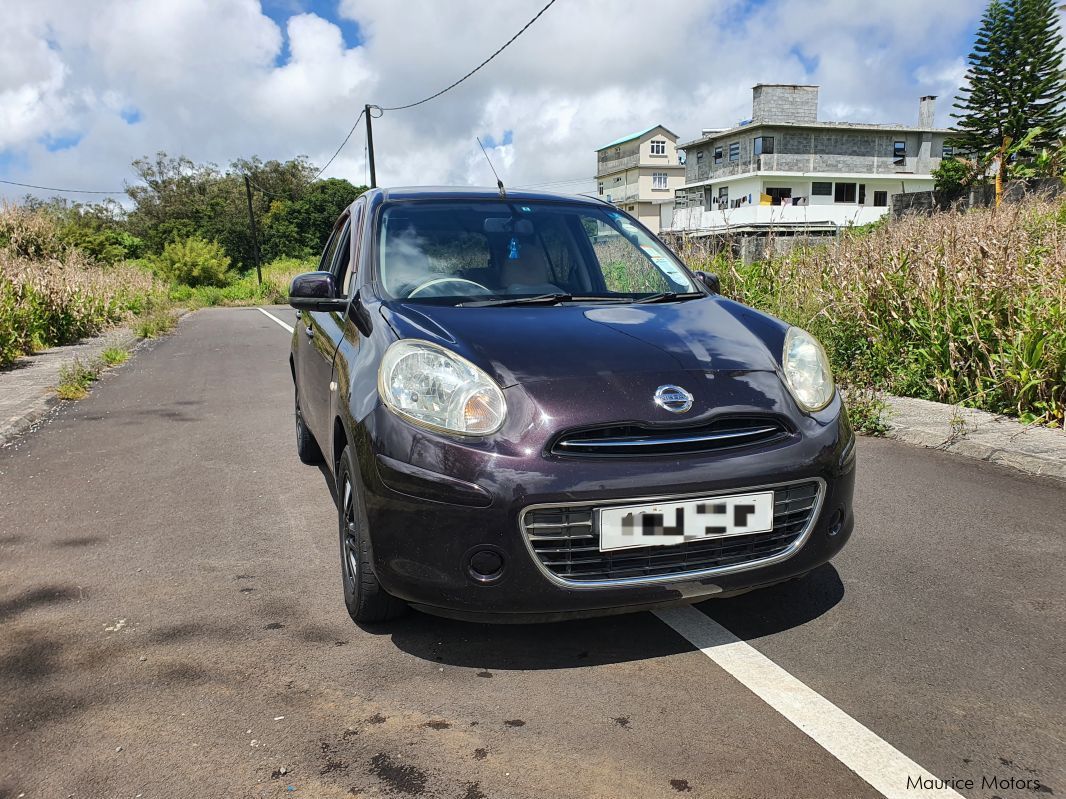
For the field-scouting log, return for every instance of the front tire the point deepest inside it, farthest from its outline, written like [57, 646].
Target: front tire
[366, 600]
[306, 446]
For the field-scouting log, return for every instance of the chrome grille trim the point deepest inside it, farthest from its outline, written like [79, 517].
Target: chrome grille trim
[708, 438]
[640, 439]
[811, 510]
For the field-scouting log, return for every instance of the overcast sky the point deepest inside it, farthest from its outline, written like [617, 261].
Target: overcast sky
[86, 86]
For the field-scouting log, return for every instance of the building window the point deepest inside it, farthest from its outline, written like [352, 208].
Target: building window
[718, 155]
[844, 193]
[658, 180]
[599, 187]
[949, 151]
[764, 145]
[899, 152]
[699, 157]
[778, 194]
[723, 196]
[881, 199]
[819, 189]
[658, 147]
[734, 151]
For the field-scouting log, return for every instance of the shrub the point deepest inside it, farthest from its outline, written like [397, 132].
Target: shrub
[75, 379]
[193, 262]
[951, 178]
[156, 322]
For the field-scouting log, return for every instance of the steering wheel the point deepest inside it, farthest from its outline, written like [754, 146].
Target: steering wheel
[437, 281]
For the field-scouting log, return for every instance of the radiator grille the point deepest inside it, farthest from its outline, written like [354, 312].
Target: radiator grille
[566, 542]
[636, 440]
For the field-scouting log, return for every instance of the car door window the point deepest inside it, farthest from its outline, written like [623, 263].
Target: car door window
[342, 255]
[326, 261]
[355, 237]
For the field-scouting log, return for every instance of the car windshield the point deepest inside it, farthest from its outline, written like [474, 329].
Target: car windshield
[478, 252]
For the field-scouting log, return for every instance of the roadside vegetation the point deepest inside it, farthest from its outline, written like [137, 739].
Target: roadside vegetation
[965, 307]
[182, 240]
[53, 293]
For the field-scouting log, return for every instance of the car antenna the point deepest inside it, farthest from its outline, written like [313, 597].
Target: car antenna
[503, 191]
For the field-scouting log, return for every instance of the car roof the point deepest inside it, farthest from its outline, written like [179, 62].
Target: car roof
[480, 193]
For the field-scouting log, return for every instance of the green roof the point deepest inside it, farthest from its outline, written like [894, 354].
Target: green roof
[630, 137]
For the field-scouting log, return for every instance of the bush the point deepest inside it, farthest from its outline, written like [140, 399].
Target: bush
[193, 262]
[952, 178]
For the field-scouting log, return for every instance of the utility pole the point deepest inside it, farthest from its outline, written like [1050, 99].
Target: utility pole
[370, 147]
[255, 234]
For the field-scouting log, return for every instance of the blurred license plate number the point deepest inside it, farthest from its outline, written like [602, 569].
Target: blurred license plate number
[669, 523]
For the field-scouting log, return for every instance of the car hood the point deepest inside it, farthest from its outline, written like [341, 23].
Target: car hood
[519, 344]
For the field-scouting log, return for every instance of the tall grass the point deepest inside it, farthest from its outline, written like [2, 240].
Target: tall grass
[961, 307]
[51, 294]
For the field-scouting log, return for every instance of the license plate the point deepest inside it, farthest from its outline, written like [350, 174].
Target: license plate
[669, 523]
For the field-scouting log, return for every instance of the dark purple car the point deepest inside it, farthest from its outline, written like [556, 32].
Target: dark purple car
[533, 410]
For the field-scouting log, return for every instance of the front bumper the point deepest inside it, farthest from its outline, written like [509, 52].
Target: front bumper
[432, 502]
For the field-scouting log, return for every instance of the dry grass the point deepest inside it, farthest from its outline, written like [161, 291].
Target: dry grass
[961, 307]
[52, 295]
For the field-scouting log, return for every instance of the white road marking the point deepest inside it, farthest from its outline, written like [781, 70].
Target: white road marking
[283, 324]
[875, 760]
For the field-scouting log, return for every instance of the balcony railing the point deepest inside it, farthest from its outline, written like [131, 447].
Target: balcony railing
[802, 163]
[615, 164]
[620, 194]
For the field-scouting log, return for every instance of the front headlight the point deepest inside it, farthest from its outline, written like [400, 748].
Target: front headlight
[806, 369]
[433, 387]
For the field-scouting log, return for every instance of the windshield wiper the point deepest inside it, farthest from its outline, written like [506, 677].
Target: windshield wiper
[540, 299]
[669, 296]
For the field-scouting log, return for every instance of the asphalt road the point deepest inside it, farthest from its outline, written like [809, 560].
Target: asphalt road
[171, 625]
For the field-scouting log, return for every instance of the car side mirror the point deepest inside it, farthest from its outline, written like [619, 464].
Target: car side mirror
[315, 291]
[713, 284]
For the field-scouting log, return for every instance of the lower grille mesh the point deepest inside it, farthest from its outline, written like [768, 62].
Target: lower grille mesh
[566, 542]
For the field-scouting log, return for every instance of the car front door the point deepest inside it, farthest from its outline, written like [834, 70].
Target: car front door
[326, 330]
[321, 330]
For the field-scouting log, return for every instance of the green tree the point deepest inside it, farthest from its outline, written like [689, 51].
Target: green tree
[180, 199]
[1015, 81]
[299, 227]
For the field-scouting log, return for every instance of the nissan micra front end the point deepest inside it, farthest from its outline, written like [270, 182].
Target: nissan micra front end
[533, 410]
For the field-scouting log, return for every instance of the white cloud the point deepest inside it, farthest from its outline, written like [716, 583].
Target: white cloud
[207, 79]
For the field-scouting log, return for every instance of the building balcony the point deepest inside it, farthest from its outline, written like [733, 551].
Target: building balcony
[606, 167]
[620, 194]
[807, 164]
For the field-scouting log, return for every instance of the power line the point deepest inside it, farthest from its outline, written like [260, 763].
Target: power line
[261, 190]
[355, 124]
[61, 191]
[475, 69]
[338, 151]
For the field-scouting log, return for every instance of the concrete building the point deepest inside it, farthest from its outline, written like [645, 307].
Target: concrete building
[640, 173]
[784, 170]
